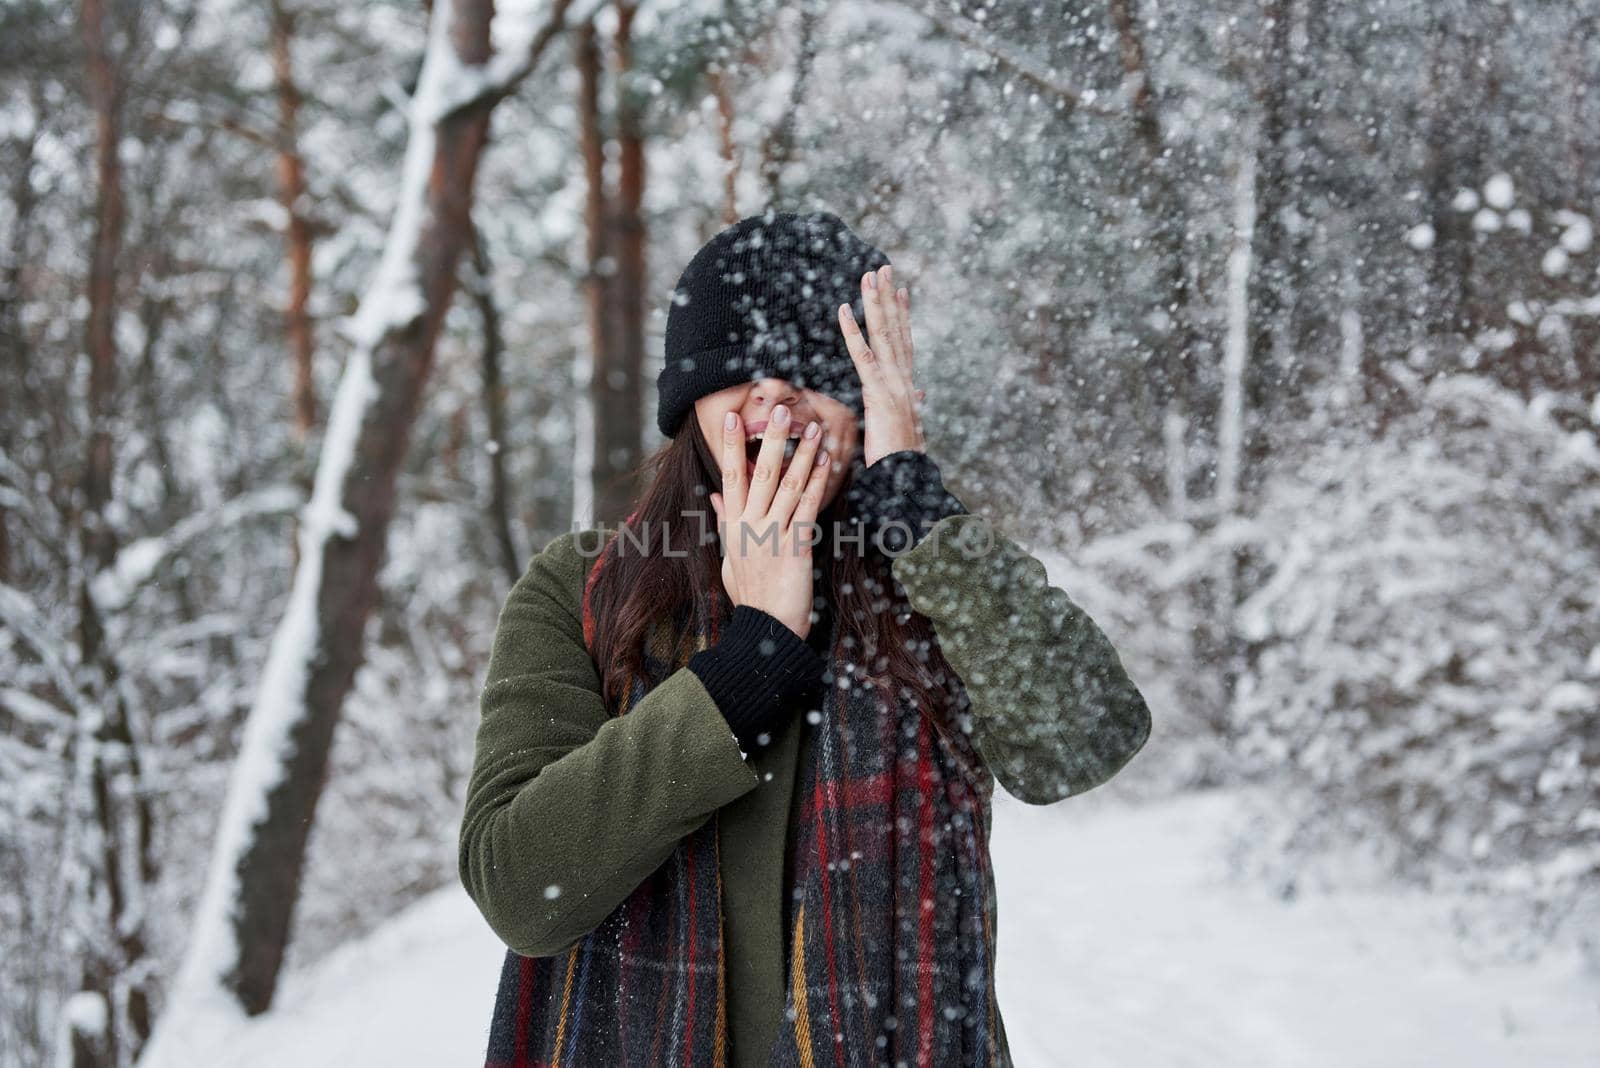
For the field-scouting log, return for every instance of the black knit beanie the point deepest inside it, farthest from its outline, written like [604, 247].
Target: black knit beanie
[759, 300]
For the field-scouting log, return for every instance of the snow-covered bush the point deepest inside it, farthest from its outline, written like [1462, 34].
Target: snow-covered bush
[1426, 668]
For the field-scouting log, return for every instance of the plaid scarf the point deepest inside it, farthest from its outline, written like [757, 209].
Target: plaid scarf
[891, 941]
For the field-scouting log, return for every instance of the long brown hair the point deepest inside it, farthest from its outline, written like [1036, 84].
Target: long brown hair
[666, 564]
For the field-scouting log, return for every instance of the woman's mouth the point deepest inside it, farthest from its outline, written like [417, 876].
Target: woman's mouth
[752, 449]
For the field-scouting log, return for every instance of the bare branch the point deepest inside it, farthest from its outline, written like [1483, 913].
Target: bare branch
[1041, 77]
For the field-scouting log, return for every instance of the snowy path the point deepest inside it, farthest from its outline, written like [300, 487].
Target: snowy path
[1151, 959]
[1148, 961]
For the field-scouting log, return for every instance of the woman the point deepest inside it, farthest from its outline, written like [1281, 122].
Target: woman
[730, 803]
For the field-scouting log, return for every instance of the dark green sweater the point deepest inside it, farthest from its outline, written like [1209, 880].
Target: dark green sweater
[568, 809]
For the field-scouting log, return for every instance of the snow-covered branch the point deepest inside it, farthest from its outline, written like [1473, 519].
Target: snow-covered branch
[137, 561]
[21, 617]
[1046, 79]
[520, 39]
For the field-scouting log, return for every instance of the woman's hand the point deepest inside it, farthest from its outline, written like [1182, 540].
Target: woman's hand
[768, 528]
[883, 360]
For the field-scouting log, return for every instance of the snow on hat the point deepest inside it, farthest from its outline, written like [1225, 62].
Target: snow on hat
[759, 300]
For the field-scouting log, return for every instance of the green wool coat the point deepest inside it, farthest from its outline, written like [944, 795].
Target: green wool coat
[568, 809]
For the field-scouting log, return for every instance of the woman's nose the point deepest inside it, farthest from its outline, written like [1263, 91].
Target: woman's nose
[774, 391]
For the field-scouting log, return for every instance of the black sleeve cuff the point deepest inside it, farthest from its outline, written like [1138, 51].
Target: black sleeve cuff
[756, 668]
[899, 498]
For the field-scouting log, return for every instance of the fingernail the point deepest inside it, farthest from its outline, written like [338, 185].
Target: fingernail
[780, 414]
[811, 429]
[888, 274]
[872, 279]
[730, 421]
[822, 457]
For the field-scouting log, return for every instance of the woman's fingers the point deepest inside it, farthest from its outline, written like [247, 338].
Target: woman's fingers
[716, 506]
[876, 299]
[887, 396]
[811, 498]
[890, 335]
[764, 479]
[796, 474]
[730, 581]
[902, 322]
[895, 327]
[876, 302]
[733, 489]
[868, 365]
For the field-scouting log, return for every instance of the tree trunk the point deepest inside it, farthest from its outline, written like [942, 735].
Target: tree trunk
[243, 924]
[629, 241]
[614, 284]
[596, 279]
[1161, 200]
[723, 92]
[1266, 376]
[778, 146]
[297, 231]
[1449, 166]
[342, 574]
[1220, 590]
[480, 287]
[112, 975]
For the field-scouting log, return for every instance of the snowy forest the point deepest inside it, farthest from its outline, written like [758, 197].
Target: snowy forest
[1273, 327]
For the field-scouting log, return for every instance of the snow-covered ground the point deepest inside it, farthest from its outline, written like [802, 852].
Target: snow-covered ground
[1121, 944]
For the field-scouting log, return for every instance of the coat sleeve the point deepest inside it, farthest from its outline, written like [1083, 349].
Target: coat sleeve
[568, 808]
[1053, 712]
